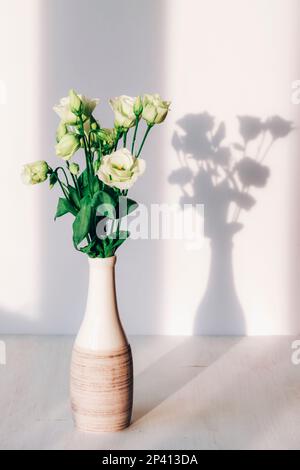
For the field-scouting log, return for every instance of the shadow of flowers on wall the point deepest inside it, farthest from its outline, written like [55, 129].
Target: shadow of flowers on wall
[222, 176]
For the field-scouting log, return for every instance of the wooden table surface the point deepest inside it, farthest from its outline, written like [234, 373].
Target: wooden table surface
[189, 393]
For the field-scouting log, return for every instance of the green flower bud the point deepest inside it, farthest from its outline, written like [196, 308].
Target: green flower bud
[67, 146]
[75, 102]
[74, 168]
[107, 136]
[36, 172]
[138, 106]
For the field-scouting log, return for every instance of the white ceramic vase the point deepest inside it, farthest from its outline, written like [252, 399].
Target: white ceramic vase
[101, 365]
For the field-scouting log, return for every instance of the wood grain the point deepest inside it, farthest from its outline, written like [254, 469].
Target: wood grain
[101, 389]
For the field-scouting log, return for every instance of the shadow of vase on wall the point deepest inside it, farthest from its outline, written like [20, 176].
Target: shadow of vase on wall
[221, 176]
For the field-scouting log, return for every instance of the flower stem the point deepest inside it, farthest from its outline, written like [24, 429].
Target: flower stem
[119, 135]
[125, 138]
[134, 135]
[143, 141]
[87, 159]
[63, 170]
[87, 156]
[63, 189]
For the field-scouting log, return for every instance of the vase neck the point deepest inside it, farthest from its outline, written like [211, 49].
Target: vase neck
[101, 298]
[101, 328]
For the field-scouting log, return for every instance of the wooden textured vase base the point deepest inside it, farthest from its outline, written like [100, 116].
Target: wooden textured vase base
[101, 389]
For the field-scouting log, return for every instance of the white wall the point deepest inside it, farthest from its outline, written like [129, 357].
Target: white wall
[225, 57]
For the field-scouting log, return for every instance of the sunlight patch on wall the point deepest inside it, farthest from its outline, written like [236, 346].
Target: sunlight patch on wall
[217, 68]
[19, 124]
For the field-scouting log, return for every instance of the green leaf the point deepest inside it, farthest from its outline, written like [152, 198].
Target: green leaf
[96, 185]
[74, 196]
[83, 179]
[93, 249]
[85, 191]
[81, 224]
[63, 207]
[104, 204]
[112, 192]
[113, 207]
[117, 238]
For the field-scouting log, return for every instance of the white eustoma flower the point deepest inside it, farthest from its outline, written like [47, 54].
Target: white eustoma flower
[63, 109]
[36, 172]
[61, 131]
[88, 104]
[155, 109]
[120, 169]
[67, 146]
[123, 107]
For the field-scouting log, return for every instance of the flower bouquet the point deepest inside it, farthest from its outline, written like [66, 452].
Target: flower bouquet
[94, 192]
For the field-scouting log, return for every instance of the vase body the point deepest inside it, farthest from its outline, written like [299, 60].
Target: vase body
[101, 366]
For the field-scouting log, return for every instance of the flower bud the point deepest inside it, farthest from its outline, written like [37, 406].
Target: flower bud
[75, 102]
[74, 168]
[138, 106]
[107, 136]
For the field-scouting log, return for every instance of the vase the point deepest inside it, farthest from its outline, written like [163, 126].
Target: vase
[101, 365]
